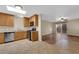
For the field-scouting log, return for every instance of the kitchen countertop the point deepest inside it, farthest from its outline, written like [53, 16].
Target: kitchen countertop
[16, 31]
[13, 31]
[33, 31]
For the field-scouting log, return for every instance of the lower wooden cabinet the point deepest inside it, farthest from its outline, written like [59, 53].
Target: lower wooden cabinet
[20, 35]
[2, 38]
[34, 35]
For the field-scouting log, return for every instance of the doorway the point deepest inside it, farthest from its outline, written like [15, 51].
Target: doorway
[61, 35]
[61, 28]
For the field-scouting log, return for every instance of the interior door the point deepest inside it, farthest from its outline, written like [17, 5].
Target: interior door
[59, 28]
[64, 28]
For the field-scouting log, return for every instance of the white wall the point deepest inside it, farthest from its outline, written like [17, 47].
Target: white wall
[46, 27]
[18, 23]
[39, 28]
[73, 27]
[49, 27]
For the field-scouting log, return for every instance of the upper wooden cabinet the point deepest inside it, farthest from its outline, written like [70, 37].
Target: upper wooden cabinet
[10, 21]
[34, 20]
[6, 19]
[26, 22]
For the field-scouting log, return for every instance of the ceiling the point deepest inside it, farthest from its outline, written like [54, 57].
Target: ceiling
[49, 12]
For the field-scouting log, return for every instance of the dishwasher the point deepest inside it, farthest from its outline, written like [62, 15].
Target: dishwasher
[9, 36]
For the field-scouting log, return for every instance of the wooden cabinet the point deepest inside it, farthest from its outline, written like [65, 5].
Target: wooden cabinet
[10, 21]
[26, 22]
[20, 35]
[2, 20]
[6, 19]
[34, 19]
[31, 21]
[34, 35]
[1, 37]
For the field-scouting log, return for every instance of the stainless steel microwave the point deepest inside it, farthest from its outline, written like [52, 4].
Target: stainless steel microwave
[31, 23]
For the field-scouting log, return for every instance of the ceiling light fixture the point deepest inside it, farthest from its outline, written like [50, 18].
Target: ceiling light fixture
[17, 9]
[18, 6]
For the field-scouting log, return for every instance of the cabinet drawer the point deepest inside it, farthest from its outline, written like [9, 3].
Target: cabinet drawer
[20, 35]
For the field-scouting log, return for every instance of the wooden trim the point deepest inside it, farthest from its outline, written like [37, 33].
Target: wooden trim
[73, 36]
[6, 13]
[44, 37]
[26, 16]
[33, 15]
[47, 34]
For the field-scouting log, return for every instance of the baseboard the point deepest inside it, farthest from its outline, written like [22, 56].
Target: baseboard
[44, 37]
[47, 34]
[73, 36]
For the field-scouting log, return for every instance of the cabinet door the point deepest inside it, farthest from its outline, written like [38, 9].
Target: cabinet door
[6, 19]
[20, 35]
[34, 19]
[9, 21]
[2, 19]
[1, 37]
[26, 22]
[34, 36]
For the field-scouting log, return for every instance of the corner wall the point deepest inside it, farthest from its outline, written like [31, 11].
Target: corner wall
[46, 27]
[73, 27]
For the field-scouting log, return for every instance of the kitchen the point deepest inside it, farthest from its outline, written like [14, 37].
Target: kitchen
[14, 28]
